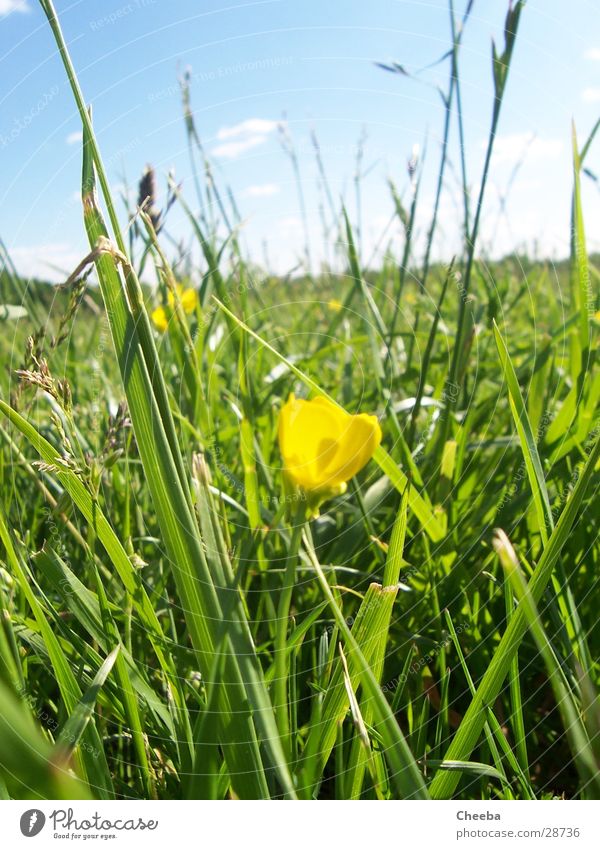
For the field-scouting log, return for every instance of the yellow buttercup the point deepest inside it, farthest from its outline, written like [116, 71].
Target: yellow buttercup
[189, 300]
[323, 446]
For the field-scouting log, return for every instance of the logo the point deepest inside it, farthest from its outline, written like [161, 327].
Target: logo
[32, 822]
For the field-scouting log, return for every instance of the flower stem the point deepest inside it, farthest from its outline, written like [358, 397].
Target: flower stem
[280, 684]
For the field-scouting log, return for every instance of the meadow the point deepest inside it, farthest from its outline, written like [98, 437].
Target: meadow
[185, 616]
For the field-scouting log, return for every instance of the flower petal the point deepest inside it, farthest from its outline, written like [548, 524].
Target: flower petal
[308, 435]
[322, 445]
[189, 299]
[159, 317]
[355, 447]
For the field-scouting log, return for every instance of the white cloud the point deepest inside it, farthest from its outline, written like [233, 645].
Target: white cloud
[251, 127]
[514, 146]
[593, 54]
[247, 134]
[53, 261]
[231, 150]
[261, 191]
[8, 6]
[74, 138]
[591, 95]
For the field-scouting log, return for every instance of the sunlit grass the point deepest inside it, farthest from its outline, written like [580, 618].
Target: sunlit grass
[186, 613]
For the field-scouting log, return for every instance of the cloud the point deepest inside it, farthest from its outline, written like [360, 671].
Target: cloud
[262, 191]
[231, 150]
[74, 138]
[591, 95]
[246, 135]
[8, 6]
[251, 127]
[593, 54]
[52, 261]
[512, 147]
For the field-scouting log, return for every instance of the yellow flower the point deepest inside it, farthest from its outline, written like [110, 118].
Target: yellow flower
[189, 300]
[323, 446]
[335, 305]
[159, 317]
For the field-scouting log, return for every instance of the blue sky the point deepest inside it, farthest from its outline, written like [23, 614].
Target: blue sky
[253, 63]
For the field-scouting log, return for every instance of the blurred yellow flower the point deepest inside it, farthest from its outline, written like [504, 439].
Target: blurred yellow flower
[159, 317]
[188, 297]
[335, 305]
[323, 446]
[189, 300]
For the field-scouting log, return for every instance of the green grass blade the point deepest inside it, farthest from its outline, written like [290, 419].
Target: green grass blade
[581, 749]
[73, 729]
[27, 762]
[443, 785]
[514, 682]
[405, 774]
[527, 440]
[83, 604]
[359, 757]
[493, 731]
[583, 296]
[90, 757]
[91, 512]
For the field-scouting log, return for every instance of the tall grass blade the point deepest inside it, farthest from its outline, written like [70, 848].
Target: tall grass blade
[470, 728]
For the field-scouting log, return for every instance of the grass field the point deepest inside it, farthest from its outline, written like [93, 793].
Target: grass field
[177, 622]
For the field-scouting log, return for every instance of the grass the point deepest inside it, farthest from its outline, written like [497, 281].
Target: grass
[172, 628]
